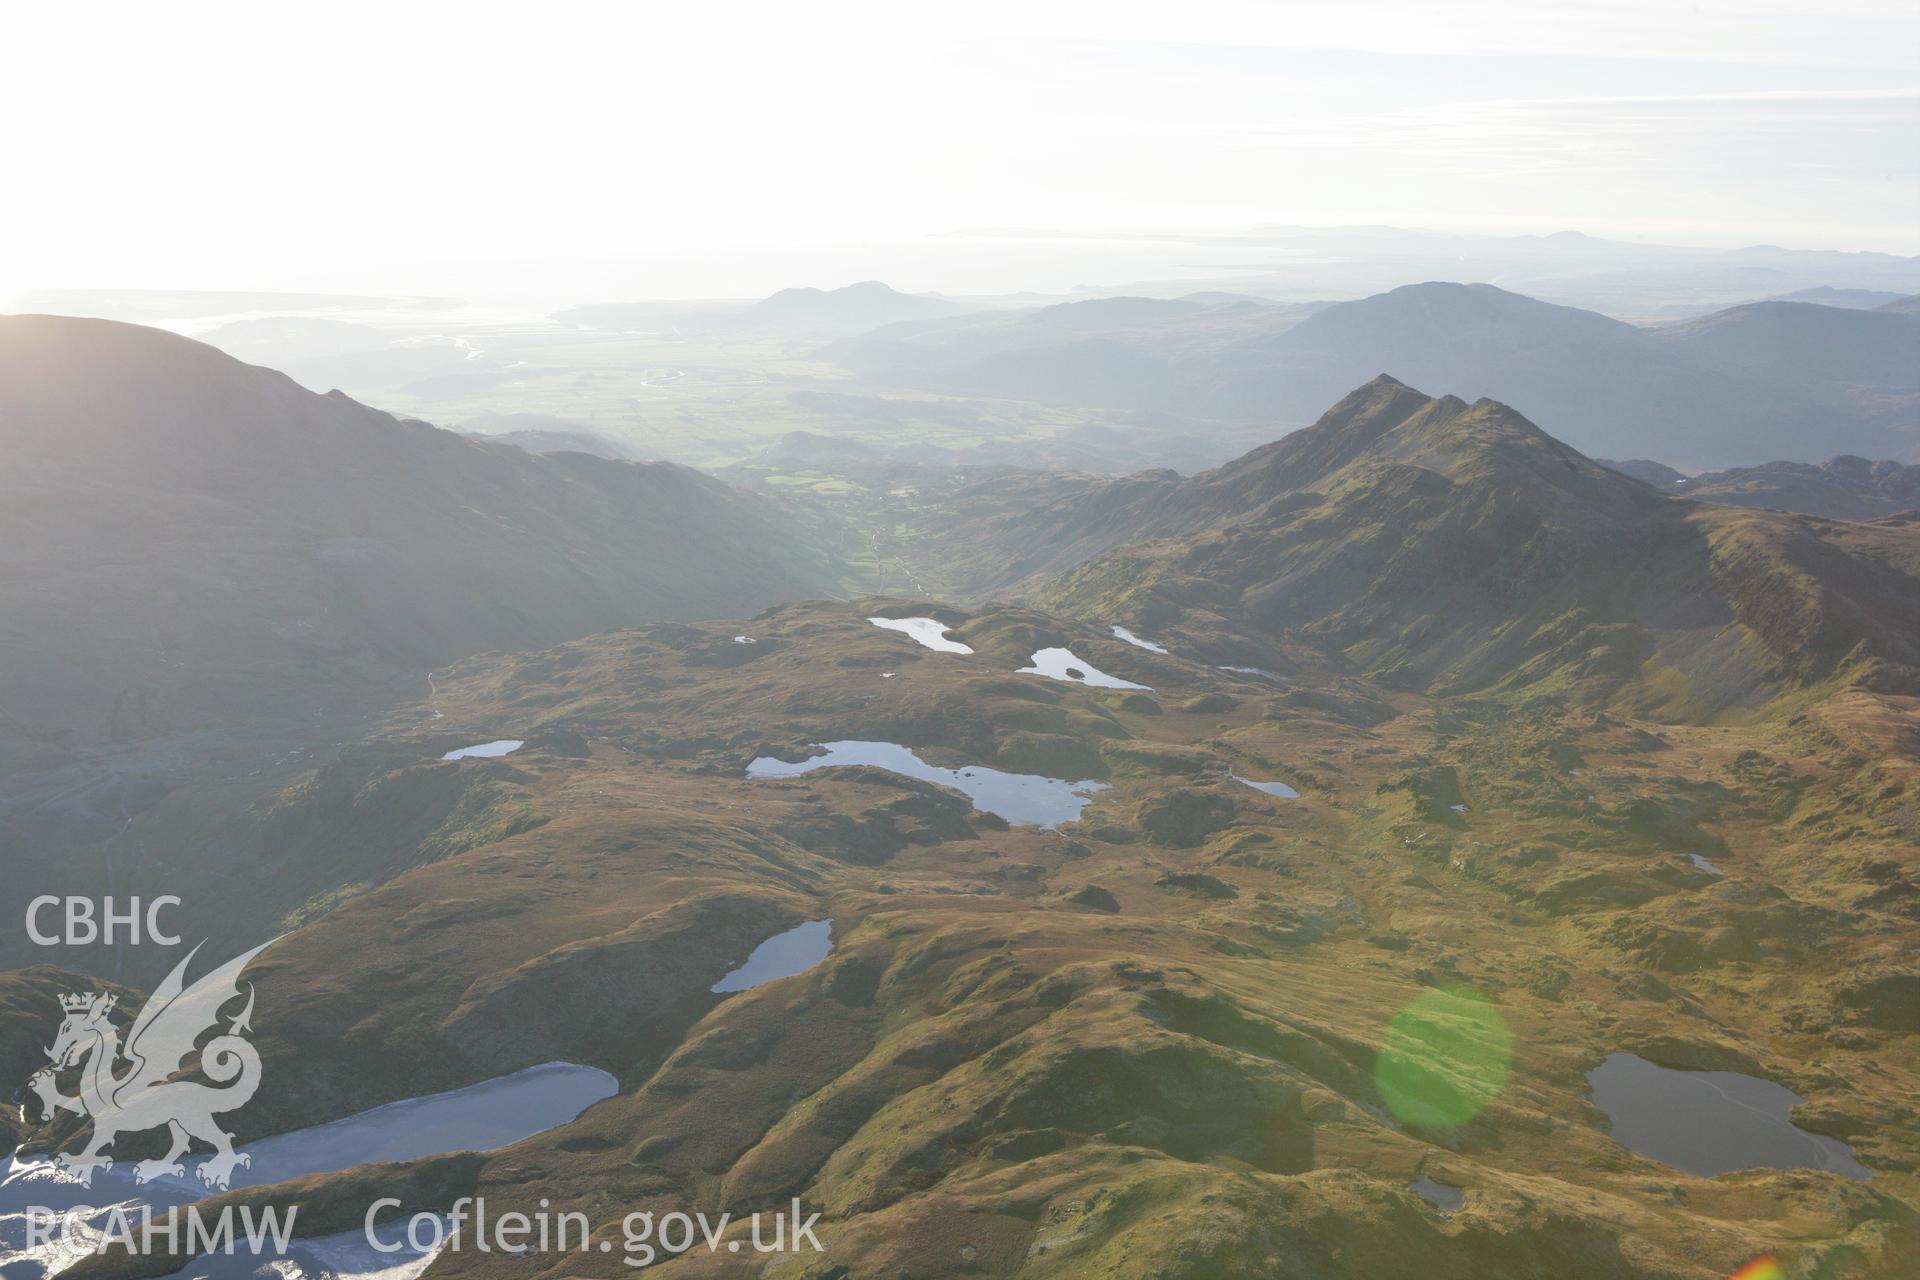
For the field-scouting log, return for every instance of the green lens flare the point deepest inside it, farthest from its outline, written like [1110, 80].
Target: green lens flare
[1444, 1058]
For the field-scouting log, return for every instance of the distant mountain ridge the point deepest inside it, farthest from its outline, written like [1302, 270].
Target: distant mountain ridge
[1806, 345]
[1123, 352]
[1841, 488]
[1828, 296]
[188, 542]
[803, 313]
[1760, 381]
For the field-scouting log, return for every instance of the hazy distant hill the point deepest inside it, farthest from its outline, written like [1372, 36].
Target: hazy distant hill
[539, 440]
[1841, 488]
[1449, 546]
[1828, 296]
[1131, 353]
[1816, 348]
[188, 541]
[1608, 387]
[1604, 384]
[1630, 279]
[852, 308]
[801, 313]
[1647, 471]
[276, 340]
[1713, 392]
[542, 433]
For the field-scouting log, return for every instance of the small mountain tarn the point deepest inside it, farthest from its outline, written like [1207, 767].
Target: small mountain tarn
[480, 1117]
[1138, 642]
[783, 955]
[1022, 798]
[930, 632]
[486, 750]
[1711, 1122]
[1278, 789]
[1058, 663]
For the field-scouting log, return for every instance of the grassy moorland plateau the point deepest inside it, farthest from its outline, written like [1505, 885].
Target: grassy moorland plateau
[1572, 766]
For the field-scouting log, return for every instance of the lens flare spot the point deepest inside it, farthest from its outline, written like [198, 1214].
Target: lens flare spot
[1445, 1056]
[1764, 1267]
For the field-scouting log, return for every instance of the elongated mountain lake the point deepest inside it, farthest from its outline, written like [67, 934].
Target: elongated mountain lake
[1279, 789]
[1710, 1122]
[481, 1117]
[1062, 664]
[1026, 799]
[486, 750]
[930, 632]
[1139, 642]
[781, 956]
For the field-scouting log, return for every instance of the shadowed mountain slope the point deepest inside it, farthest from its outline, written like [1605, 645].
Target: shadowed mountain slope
[187, 541]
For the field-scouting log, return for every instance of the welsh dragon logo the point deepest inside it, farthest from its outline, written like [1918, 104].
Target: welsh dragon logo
[146, 1094]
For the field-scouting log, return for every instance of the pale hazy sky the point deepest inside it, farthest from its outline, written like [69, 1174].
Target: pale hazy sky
[633, 149]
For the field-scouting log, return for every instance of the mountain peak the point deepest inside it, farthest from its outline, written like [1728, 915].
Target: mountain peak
[1385, 421]
[1457, 547]
[1387, 446]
